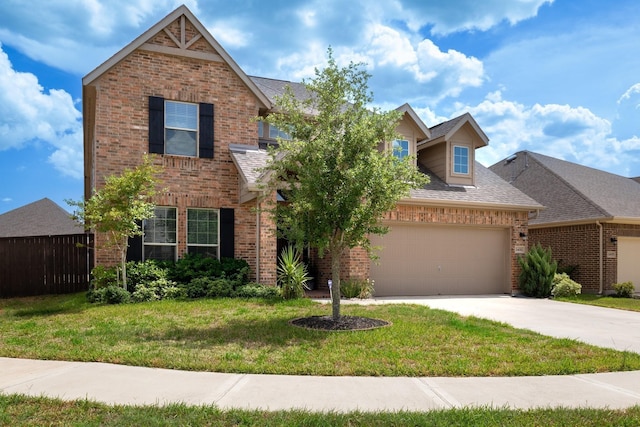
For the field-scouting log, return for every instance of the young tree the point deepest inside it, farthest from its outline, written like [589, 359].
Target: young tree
[337, 177]
[118, 207]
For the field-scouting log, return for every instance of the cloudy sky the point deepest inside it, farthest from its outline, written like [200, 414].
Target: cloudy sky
[559, 77]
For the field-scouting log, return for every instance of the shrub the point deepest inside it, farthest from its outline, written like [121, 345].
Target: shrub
[101, 277]
[144, 273]
[158, 289]
[538, 270]
[255, 290]
[207, 287]
[563, 286]
[356, 288]
[193, 266]
[109, 295]
[292, 274]
[624, 289]
[236, 270]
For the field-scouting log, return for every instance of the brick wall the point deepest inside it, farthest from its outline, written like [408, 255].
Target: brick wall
[122, 131]
[579, 245]
[356, 263]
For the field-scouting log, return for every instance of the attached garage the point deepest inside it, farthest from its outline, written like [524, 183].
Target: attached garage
[442, 260]
[628, 257]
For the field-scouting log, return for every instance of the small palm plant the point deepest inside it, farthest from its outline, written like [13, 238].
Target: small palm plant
[292, 274]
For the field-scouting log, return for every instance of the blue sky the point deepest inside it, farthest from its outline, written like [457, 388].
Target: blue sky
[555, 77]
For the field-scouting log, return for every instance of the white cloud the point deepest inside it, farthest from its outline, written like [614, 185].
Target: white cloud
[571, 133]
[467, 15]
[28, 114]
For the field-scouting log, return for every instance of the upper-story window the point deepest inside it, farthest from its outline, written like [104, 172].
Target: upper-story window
[181, 128]
[400, 148]
[460, 160]
[275, 133]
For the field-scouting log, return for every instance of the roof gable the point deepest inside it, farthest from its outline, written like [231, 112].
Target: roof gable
[183, 34]
[40, 218]
[445, 131]
[408, 111]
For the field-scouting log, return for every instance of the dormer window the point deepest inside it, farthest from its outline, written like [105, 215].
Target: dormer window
[460, 160]
[400, 148]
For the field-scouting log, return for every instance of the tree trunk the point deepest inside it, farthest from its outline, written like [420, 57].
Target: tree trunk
[336, 257]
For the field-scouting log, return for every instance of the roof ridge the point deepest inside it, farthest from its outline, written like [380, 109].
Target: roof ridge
[567, 183]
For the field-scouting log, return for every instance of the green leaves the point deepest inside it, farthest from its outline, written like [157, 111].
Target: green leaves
[537, 272]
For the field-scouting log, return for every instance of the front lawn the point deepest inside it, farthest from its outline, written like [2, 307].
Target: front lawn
[254, 336]
[631, 304]
[31, 411]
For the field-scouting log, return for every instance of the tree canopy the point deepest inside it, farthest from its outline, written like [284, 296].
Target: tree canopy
[118, 208]
[337, 172]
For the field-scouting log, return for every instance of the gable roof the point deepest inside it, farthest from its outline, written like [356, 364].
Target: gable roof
[445, 130]
[489, 191]
[571, 192]
[184, 13]
[40, 218]
[406, 108]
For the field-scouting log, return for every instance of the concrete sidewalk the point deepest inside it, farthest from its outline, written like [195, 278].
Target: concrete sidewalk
[117, 384]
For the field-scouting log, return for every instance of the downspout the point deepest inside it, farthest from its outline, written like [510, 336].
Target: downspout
[600, 257]
[257, 239]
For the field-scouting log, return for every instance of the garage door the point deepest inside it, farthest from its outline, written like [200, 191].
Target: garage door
[441, 260]
[628, 260]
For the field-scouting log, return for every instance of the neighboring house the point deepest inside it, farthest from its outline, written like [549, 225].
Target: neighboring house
[174, 92]
[41, 218]
[591, 220]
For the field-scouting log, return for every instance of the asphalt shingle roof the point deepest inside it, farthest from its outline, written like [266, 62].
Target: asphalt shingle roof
[571, 192]
[489, 189]
[40, 218]
[250, 160]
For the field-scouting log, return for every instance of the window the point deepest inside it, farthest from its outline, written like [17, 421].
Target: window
[274, 133]
[203, 232]
[400, 148]
[260, 131]
[460, 160]
[181, 128]
[159, 238]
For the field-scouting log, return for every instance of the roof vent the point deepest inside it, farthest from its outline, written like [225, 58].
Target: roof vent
[510, 159]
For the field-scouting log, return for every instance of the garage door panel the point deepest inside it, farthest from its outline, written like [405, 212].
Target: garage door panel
[441, 260]
[629, 260]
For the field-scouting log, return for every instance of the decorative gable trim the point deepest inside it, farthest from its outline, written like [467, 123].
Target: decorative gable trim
[182, 49]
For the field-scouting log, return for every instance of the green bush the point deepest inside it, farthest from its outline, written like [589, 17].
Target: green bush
[255, 290]
[236, 270]
[201, 287]
[144, 273]
[624, 289]
[109, 295]
[193, 266]
[563, 286]
[101, 277]
[356, 288]
[158, 289]
[292, 274]
[538, 271]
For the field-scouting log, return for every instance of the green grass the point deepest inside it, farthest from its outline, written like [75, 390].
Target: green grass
[631, 304]
[254, 336]
[18, 410]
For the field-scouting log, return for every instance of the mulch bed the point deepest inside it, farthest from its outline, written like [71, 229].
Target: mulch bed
[345, 323]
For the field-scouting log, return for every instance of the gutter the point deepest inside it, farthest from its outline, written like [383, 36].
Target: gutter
[600, 257]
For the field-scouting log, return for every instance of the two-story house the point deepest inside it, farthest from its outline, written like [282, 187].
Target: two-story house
[176, 93]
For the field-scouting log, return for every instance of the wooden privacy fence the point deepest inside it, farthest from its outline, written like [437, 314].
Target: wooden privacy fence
[44, 265]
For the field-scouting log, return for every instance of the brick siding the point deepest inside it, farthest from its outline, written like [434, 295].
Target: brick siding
[122, 135]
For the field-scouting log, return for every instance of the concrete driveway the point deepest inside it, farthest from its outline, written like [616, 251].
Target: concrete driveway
[603, 327]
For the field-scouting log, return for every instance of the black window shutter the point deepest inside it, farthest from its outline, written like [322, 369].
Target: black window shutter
[134, 251]
[156, 125]
[227, 239]
[206, 131]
